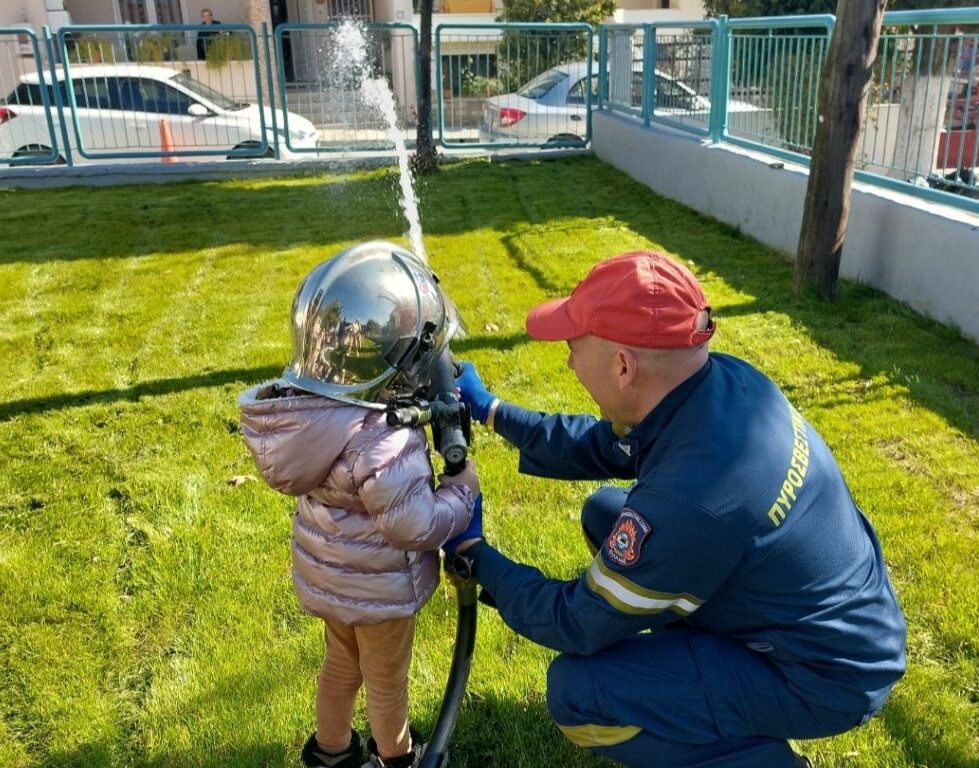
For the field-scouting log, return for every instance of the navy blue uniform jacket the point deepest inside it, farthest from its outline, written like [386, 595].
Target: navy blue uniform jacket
[739, 524]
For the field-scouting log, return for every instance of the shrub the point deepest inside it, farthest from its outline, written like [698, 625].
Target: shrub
[225, 47]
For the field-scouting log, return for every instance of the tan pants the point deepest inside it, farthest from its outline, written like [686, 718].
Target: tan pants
[378, 656]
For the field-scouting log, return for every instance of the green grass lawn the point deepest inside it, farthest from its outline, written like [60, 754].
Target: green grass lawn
[146, 610]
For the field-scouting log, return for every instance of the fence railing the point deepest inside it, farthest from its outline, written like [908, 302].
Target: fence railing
[40, 143]
[124, 102]
[923, 112]
[136, 93]
[662, 72]
[515, 85]
[762, 77]
[353, 81]
[773, 79]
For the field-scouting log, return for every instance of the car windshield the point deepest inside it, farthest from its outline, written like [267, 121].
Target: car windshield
[540, 85]
[198, 88]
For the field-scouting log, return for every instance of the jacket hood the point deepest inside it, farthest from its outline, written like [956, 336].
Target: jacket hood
[295, 437]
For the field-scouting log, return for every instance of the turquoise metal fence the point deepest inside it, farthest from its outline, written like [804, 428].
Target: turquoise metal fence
[27, 126]
[773, 70]
[352, 80]
[515, 85]
[924, 104]
[920, 128]
[762, 82]
[138, 92]
[662, 73]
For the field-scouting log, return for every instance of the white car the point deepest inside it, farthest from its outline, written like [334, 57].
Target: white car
[551, 108]
[124, 108]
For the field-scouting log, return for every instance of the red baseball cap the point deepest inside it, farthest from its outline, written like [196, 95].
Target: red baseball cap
[642, 299]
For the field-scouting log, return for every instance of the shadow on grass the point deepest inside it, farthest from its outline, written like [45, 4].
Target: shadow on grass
[245, 376]
[502, 343]
[44, 225]
[489, 732]
[492, 731]
[251, 756]
[920, 744]
[169, 386]
[883, 337]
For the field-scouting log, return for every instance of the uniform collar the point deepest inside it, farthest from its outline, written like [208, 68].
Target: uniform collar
[641, 437]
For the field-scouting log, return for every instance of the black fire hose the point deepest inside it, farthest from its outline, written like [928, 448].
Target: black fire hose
[450, 429]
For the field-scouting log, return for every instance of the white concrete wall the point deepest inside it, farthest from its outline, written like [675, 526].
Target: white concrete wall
[919, 252]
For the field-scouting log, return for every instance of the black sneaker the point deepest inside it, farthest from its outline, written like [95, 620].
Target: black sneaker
[801, 761]
[314, 756]
[408, 760]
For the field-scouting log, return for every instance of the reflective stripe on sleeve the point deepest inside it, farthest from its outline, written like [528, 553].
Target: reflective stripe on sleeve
[628, 597]
[598, 735]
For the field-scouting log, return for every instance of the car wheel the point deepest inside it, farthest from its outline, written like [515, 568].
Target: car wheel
[251, 145]
[38, 150]
[566, 138]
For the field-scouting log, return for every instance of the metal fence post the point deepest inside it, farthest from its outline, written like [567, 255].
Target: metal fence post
[720, 79]
[648, 73]
[56, 90]
[603, 67]
[268, 77]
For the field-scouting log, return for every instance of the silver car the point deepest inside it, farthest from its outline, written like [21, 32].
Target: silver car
[551, 108]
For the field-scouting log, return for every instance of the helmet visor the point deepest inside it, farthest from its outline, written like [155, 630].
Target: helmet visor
[370, 322]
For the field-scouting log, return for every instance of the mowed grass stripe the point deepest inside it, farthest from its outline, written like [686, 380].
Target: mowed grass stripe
[117, 520]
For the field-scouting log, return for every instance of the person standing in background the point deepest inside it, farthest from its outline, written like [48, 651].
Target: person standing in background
[203, 37]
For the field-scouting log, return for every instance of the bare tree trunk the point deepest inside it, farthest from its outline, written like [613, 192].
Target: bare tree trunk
[842, 108]
[425, 160]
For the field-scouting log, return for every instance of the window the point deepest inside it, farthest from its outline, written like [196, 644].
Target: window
[162, 98]
[30, 93]
[205, 92]
[542, 84]
[133, 12]
[577, 94]
[672, 95]
[97, 93]
[168, 12]
[26, 93]
[152, 12]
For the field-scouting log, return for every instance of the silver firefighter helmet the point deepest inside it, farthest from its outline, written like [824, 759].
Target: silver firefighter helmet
[369, 324]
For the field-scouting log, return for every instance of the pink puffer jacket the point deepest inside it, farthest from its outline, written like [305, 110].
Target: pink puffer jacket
[368, 524]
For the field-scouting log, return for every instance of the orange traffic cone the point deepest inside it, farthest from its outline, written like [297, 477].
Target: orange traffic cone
[166, 141]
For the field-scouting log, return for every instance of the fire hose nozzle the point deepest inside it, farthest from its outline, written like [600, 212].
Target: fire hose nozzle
[410, 416]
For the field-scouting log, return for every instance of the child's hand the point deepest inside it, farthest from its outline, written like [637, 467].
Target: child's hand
[467, 477]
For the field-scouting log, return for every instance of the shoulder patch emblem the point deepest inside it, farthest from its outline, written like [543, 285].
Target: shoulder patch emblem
[624, 544]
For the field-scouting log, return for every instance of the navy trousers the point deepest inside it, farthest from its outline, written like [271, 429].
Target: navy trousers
[679, 697]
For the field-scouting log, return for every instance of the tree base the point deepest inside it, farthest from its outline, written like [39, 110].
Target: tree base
[425, 161]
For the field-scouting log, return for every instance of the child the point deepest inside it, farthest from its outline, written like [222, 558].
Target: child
[368, 524]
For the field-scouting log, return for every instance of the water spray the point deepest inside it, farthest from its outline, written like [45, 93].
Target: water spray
[449, 420]
[440, 408]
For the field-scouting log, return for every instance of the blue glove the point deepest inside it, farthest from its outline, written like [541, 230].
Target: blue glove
[473, 531]
[474, 393]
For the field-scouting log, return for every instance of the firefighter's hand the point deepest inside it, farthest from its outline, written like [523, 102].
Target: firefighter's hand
[473, 392]
[473, 532]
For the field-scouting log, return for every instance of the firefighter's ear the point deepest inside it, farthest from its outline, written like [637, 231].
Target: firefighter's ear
[626, 366]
